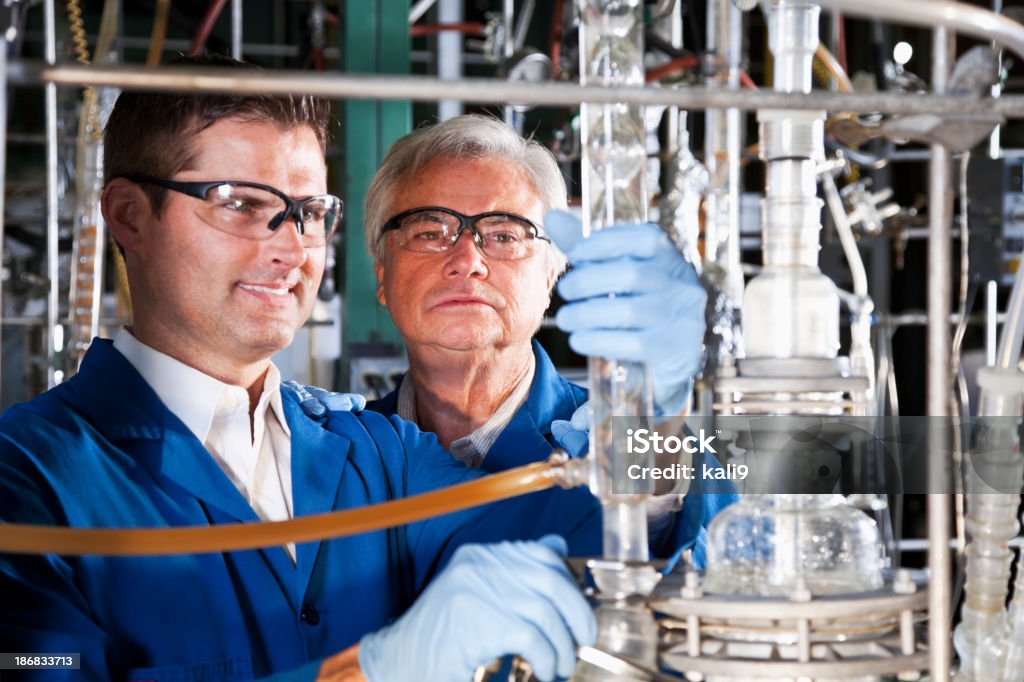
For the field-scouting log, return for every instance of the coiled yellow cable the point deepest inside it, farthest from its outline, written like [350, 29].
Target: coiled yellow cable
[78, 37]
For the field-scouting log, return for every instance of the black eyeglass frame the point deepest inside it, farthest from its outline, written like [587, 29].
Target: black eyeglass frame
[199, 190]
[466, 222]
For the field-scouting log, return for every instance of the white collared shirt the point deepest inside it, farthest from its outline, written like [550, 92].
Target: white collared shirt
[471, 449]
[257, 461]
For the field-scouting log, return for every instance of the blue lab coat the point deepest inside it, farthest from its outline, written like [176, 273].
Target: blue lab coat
[527, 438]
[102, 450]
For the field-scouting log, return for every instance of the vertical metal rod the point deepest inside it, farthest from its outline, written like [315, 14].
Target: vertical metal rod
[723, 145]
[835, 38]
[669, 27]
[523, 25]
[734, 144]
[509, 47]
[54, 333]
[991, 322]
[236, 29]
[449, 54]
[940, 192]
[995, 147]
[419, 9]
[1008, 351]
[508, 12]
[940, 203]
[939, 587]
[675, 30]
[3, 179]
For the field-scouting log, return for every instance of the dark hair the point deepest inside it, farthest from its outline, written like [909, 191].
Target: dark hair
[150, 133]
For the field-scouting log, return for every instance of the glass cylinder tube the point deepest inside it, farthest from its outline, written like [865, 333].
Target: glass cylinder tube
[614, 191]
[614, 162]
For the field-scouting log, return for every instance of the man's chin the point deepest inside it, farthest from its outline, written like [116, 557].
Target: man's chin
[269, 339]
[465, 344]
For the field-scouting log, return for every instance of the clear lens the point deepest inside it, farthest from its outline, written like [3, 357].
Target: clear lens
[255, 213]
[506, 236]
[239, 210]
[320, 216]
[428, 231]
[500, 236]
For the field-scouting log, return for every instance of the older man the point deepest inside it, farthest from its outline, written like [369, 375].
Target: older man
[454, 221]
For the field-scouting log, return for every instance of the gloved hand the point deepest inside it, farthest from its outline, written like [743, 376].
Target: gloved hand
[317, 402]
[574, 435]
[491, 600]
[656, 315]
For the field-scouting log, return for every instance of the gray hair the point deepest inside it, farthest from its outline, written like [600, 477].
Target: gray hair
[463, 137]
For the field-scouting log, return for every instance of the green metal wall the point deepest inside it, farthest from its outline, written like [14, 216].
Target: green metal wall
[375, 40]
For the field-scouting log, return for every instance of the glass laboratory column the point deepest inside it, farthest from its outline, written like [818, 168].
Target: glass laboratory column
[613, 185]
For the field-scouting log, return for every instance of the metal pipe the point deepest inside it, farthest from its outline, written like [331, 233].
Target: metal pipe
[939, 586]
[846, 238]
[723, 146]
[508, 49]
[667, 25]
[991, 321]
[921, 319]
[675, 123]
[508, 17]
[938, 375]
[523, 25]
[493, 91]
[3, 177]
[862, 358]
[449, 55]
[1012, 338]
[236, 29]
[54, 338]
[940, 202]
[835, 39]
[419, 9]
[973, 21]
[272, 50]
[995, 147]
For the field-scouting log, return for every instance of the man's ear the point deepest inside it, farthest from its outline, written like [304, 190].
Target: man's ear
[124, 207]
[378, 268]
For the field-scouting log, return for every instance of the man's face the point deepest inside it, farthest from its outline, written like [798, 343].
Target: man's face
[461, 299]
[203, 293]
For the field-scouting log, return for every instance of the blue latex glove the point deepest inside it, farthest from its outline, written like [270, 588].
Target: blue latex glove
[574, 435]
[317, 402]
[656, 315]
[491, 600]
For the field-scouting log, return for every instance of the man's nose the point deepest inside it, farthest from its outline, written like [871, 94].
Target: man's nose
[286, 242]
[465, 257]
[467, 231]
